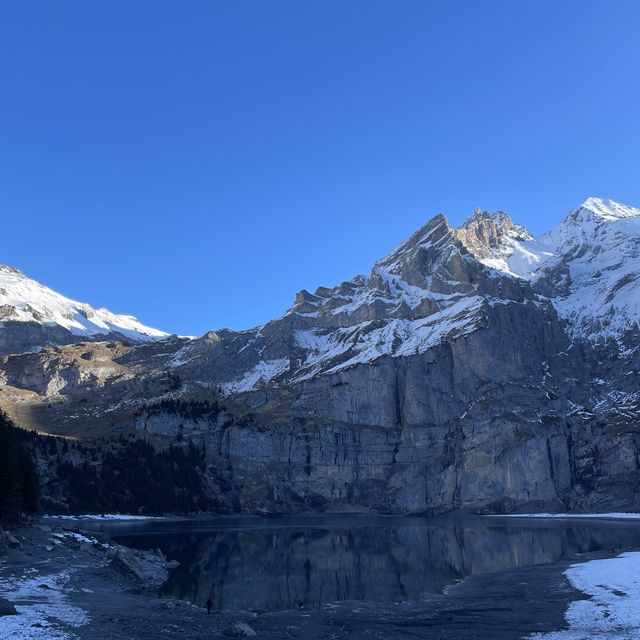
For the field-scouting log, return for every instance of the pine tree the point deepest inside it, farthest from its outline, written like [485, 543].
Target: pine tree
[19, 484]
[10, 495]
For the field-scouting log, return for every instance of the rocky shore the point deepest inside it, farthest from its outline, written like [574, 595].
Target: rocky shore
[65, 583]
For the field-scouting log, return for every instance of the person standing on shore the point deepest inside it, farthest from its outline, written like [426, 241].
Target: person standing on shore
[208, 605]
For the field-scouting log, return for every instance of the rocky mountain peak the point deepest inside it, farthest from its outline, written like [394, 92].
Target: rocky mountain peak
[594, 269]
[596, 222]
[432, 235]
[491, 235]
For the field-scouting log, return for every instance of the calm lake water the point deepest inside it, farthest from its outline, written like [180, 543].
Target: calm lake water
[278, 563]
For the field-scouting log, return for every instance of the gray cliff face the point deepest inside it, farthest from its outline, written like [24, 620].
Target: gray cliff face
[25, 337]
[469, 424]
[468, 370]
[20, 337]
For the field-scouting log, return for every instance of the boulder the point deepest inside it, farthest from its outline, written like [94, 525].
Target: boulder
[12, 541]
[144, 568]
[6, 608]
[239, 630]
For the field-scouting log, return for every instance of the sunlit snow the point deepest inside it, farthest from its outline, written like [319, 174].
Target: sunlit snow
[599, 241]
[25, 300]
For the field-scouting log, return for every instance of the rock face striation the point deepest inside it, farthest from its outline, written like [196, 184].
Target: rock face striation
[475, 368]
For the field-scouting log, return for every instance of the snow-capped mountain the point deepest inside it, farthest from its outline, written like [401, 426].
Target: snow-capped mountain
[26, 306]
[588, 266]
[424, 292]
[474, 368]
[440, 285]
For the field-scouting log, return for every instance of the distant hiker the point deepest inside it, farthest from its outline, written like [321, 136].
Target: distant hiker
[208, 605]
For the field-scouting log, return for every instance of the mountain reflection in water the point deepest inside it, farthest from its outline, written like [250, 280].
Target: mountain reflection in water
[281, 562]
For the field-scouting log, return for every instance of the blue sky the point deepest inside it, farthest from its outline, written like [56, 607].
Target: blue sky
[197, 163]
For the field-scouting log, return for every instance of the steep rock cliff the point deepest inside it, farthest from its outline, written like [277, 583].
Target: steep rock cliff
[476, 368]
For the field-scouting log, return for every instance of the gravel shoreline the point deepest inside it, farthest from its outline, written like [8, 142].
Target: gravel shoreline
[67, 584]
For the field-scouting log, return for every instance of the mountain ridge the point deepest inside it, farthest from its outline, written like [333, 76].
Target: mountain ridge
[494, 239]
[435, 382]
[23, 301]
[421, 285]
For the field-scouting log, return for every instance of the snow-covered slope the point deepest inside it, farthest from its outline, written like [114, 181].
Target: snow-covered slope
[588, 265]
[24, 300]
[596, 269]
[414, 298]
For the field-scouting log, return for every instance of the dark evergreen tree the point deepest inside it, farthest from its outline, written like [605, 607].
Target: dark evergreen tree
[19, 485]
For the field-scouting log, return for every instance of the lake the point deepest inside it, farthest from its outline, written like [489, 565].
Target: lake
[269, 564]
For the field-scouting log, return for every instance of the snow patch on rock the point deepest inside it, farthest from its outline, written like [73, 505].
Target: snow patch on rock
[262, 373]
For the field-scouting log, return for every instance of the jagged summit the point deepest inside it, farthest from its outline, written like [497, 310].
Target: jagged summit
[432, 288]
[492, 237]
[587, 265]
[35, 315]
[439, 284]
[432, 234]
[499, 218]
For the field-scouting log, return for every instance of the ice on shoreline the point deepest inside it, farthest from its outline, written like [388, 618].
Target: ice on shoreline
[44, 613]
[612, 516]
[104, 516]
[612, 611]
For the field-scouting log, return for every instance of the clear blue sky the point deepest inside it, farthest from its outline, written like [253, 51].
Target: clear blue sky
[197, 163]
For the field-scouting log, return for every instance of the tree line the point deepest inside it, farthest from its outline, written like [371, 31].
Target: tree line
[19, 483]
[117, 475]
[130, 476]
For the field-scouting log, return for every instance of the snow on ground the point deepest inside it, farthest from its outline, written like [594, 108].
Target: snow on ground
[77, 537]
[617, 516]
[612, 611]
[44, 613]
[106, 516]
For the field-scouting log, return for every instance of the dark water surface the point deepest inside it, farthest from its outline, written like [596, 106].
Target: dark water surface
[280, 562]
